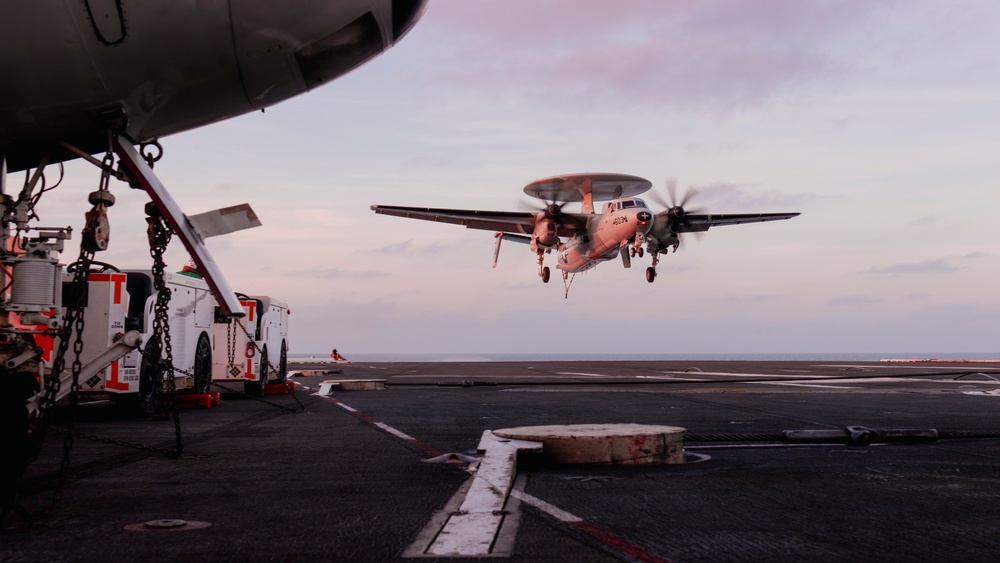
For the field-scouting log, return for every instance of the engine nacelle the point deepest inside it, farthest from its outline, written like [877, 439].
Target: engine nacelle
[545, 234]
[661, 234]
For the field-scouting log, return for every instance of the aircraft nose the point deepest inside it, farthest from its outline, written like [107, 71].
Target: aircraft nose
[644, 221]
[405, 14]
[286, 48]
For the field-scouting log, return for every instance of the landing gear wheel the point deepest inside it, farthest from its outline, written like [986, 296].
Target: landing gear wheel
[256, 388]
[202, 367]
[631, 251]
[283, 363]
[640, 252]
[15, 390]
[546, 273]
[650, 274]
[142, 403]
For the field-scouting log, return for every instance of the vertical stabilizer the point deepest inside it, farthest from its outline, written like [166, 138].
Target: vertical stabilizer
[587, 205]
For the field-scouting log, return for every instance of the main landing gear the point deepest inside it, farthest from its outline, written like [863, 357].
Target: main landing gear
[543, 271]
[651, 271]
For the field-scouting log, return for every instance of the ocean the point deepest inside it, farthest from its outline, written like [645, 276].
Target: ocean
[558, 357]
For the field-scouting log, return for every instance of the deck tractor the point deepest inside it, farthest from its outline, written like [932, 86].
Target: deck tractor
[254, 348]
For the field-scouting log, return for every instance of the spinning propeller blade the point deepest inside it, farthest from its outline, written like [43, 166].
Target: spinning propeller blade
[553, 211]
[675, 211]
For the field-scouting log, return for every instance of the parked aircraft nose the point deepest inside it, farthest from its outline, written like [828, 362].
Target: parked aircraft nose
[286, 48]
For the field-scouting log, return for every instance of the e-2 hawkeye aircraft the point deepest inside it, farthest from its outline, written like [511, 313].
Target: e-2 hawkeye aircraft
[623, 226]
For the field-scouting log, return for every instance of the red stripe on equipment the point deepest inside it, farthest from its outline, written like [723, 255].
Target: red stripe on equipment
[112, 382]
[118, 292]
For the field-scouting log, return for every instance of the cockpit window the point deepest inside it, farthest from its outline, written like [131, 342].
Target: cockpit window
[341, 51]
[628, 203]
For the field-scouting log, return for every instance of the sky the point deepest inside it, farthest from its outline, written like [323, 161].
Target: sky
[878, 121]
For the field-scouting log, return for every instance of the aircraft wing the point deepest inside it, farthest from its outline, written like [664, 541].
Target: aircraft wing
[699, 222]
[522, 222]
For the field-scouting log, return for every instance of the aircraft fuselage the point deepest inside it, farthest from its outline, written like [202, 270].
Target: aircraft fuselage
[621, 222]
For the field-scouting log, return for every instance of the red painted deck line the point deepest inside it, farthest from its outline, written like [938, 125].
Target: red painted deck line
[616, 543]
[384, 427]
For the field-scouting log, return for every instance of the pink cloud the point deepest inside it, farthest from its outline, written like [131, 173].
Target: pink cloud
[931, 266]
[710, 55]
[723, 197]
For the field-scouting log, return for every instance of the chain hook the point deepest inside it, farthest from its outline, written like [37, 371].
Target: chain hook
[97, 233]
[159, 346]
[147, 155]
[73, 322]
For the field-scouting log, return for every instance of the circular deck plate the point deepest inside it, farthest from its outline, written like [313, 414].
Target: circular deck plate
[167, 525]
[604, 443]
[603, 186]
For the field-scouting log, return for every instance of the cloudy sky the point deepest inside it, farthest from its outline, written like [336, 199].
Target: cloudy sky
[879, 121]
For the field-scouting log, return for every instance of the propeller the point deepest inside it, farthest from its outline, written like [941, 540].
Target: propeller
[553, 211]
[675, 210]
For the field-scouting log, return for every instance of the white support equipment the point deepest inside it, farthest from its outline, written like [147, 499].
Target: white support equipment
[129, 341]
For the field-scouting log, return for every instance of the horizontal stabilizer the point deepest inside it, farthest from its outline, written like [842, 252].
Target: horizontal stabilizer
[224, 221]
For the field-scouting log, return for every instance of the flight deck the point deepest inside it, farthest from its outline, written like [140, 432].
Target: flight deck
[784, 461]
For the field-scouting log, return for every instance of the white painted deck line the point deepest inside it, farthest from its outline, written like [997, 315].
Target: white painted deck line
[584, 374]
[551, 510]
[668, 378]
[472, 530]
[818, 386]
[345, 407]
[932, 368]
[915, 379]
[730, 374]
[395, 432]
[468, 535]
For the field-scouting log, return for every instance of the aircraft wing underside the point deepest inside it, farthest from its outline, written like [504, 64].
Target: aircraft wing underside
[521, 222]
[694, 223]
